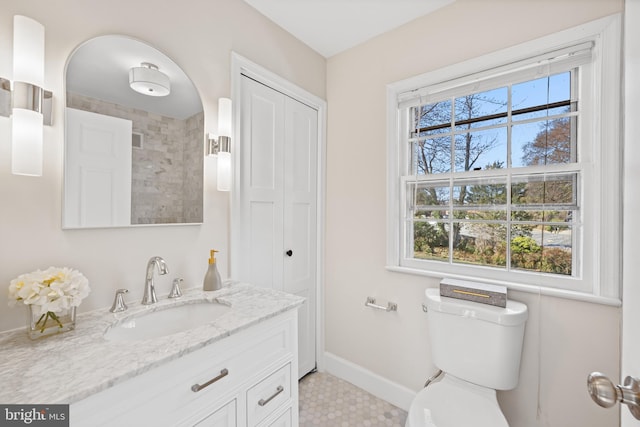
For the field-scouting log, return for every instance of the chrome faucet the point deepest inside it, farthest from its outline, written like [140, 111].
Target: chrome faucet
[149, 287]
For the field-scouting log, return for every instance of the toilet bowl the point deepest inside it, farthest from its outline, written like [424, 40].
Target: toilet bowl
[478, 347]
[452, 402]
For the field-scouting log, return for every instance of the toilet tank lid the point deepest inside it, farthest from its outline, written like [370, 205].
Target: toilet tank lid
[515, 313]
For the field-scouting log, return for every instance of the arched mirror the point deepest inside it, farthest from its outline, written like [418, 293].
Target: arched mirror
[134, 133]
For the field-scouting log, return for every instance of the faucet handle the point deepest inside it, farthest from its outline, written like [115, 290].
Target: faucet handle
[118, 302]
[176, 292]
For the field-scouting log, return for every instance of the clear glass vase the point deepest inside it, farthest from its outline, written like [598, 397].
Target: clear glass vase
[50, 323]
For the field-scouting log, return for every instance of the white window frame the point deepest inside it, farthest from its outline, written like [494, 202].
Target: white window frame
[600, 243]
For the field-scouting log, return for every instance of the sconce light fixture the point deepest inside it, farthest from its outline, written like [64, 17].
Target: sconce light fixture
[221, 146]
[147, 79]
[28, 105]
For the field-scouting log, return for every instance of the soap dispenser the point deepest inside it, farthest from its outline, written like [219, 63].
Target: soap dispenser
[212, 281]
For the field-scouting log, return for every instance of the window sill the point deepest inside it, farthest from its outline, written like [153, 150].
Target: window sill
[559, 293]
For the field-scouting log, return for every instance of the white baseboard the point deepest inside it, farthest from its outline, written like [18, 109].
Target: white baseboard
[369, 381]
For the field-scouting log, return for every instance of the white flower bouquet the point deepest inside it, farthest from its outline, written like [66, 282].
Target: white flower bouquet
[49, 292]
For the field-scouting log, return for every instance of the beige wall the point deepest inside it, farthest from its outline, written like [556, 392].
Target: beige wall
[565, 340]
[199, 36]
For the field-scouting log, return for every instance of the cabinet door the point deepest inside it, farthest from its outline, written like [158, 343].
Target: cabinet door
[223, 417]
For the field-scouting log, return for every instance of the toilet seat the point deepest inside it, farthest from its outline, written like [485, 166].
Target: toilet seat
[453, 402]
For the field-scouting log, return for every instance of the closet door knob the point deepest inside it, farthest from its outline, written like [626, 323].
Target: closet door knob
[289, 252]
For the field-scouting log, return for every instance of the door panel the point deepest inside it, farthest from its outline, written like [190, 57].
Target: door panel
[259, 238]
[300, 219]
[266, 237]
[300, 195]
[299, 270]
[97, 187]
[306, 333]
[266, 131]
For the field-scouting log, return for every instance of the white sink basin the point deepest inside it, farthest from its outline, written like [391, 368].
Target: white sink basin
[166, 321]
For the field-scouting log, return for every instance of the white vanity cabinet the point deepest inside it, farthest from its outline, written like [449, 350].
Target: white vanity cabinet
[248, 379]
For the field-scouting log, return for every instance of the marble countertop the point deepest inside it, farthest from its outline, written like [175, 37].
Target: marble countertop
[71, 366]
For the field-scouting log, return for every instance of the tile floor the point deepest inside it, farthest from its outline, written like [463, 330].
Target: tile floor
[328, 401]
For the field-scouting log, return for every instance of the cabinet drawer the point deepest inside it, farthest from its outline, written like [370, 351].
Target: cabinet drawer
[223, 417]
[283, 420]
[268, 395]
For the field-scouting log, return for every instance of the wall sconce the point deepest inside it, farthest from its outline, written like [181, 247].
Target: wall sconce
[221, 146]
[28, 105]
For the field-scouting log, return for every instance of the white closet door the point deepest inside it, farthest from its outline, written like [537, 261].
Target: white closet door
[97, 186]
[261, 187]
[300, 222]
[276, 236]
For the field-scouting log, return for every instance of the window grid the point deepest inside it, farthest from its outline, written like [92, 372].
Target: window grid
[458, 178]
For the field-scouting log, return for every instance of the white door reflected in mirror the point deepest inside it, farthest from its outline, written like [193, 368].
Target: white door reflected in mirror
[98, 170]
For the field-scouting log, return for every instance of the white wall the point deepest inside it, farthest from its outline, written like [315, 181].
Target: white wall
[565, 340]
[199, 36]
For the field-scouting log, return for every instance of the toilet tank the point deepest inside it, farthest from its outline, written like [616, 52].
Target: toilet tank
[476, 342]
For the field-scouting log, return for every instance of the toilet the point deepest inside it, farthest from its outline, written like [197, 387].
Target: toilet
[478, 348]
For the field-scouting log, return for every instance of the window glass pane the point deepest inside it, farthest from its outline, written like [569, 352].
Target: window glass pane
[480, 244]
[547, 249]
[432, 156]
[481, 214]
[429, 195]
[522, 138]
[431, 240]
[481, 150]
[561, 216]
[543, 143]
[530, 99]
[549, 190]
[483, 193]
[560, 87]
[432, 118]
[482, 109]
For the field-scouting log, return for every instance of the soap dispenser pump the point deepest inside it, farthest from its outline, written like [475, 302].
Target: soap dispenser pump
[212, 281]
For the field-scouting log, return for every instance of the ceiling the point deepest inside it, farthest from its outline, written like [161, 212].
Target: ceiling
[332, 26]
[100, 67]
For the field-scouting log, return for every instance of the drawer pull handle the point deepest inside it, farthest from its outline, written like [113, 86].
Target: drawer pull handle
[197, 387]
[263, 402]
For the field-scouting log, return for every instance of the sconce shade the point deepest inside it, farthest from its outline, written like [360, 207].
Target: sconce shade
[224, 117]
[28, 75]
[28, 51]
[224, 171]
[148, 80]
[27, 136]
